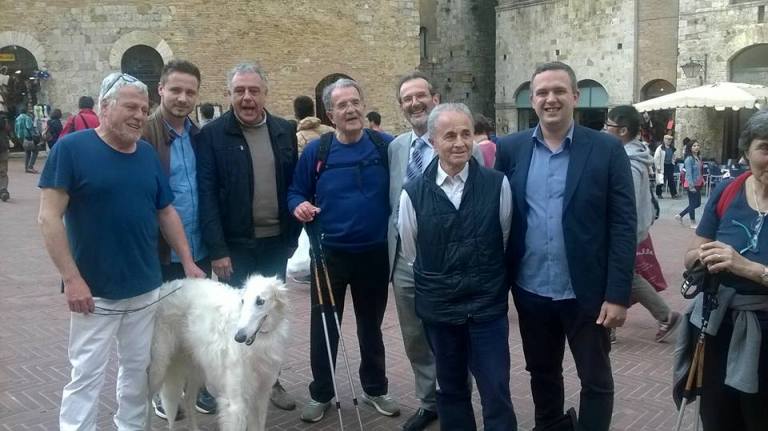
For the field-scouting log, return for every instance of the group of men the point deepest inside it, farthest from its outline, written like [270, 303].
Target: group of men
[555, 222]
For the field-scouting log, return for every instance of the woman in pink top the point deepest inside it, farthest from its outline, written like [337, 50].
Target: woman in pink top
[483, 128]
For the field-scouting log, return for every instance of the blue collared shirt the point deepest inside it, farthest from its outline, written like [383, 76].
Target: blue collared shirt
[544, 268]
[183, 181]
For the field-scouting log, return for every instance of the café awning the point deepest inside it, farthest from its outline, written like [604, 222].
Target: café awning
[720, 96]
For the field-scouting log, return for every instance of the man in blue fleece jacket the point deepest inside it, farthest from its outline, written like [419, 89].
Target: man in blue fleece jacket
[350, 204]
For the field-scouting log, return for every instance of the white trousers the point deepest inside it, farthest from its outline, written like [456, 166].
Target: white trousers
[90, 341]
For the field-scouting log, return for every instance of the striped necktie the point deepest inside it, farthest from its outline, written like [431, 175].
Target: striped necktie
[416, 162]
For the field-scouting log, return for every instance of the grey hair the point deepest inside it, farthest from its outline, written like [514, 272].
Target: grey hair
[756, 128]
[446, 107]
[246, 68]
[114, 82]
[340, 83]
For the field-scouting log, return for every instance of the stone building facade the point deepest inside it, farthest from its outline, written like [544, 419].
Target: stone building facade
[634, 50]
[458, 50]
[729, 39]
[300, 43]
[597, 38]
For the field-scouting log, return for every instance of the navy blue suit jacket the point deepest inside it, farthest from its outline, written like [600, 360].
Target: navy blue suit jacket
[599, 215]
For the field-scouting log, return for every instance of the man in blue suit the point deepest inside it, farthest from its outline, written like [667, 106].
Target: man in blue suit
[572, 247]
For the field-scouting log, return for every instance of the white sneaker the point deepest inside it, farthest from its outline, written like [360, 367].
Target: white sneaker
[679, 219]
[694, 225]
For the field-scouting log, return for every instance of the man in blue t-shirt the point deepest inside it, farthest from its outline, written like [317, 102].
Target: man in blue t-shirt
[110, 188]
[351, 205]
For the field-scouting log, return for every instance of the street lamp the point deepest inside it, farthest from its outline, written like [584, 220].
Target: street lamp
[696, 68]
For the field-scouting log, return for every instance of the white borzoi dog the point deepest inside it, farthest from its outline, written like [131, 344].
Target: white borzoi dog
[232, 341]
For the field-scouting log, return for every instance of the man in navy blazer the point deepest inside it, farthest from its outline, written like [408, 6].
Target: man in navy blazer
[571, 250]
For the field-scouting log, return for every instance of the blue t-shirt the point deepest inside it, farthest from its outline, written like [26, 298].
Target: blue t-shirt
[111, 218]
[352, 193]
[729, 230]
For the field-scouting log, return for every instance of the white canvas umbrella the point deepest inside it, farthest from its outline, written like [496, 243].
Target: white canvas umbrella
[720, 96]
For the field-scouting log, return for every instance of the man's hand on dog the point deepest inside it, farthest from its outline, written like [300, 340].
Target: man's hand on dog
[191, 270]
[78, 296]
[222, 267]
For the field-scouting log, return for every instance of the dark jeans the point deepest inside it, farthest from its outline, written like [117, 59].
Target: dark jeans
[367, 274]
[544, 326]
[694, 201]
[30, 157]
[175, 270]
[722, 407]
[669, 179]
[265, 256]
[483, 349]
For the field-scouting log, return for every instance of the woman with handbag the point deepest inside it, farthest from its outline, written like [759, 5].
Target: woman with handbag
[730, 242]
[25, 131]
[692, 182]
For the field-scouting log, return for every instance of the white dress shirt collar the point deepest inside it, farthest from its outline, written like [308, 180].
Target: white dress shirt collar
[442, 176]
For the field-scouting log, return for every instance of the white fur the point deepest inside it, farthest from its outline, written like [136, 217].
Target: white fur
[194, 345]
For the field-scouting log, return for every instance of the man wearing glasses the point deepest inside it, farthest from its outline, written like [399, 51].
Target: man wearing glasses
[572, 248]
[116, 199]
[624, 123]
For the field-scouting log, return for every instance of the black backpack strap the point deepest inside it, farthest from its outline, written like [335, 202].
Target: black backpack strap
[322, 154]
[381, 146]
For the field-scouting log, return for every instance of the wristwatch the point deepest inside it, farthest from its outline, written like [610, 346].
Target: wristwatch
[764, 275]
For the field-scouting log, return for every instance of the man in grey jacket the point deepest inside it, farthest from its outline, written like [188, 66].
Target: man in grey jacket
[624, 123]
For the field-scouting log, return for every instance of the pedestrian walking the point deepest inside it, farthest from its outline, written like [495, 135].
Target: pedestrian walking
[693, 181]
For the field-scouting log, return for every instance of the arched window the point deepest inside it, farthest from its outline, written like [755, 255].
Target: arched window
[526, 116]
[423, 43]
[320, 108]
[146, 64]
[592, 109]
[750, 65]
[656, 88]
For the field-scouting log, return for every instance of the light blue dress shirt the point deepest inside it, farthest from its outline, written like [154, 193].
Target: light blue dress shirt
[544, 268]
[183, 179]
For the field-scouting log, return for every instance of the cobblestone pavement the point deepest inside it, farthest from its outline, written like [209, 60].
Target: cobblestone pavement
[34, 330]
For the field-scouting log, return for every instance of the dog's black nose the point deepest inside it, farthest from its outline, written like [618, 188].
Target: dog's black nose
[240, 337]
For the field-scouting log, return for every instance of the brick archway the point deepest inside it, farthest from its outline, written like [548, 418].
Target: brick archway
[138, 38]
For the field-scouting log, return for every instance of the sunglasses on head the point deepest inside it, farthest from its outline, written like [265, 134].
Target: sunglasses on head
[124, 76]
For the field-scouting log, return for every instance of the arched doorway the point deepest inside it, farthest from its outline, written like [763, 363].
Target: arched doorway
[592, 109]
[22, 86]
[319, 106]
[146, 64]
[656, 88]
[750, 66]
[656, 123]
[526, 116]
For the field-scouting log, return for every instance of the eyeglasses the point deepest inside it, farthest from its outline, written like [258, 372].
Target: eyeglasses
[607, 125]
[752, 234]
[124, 76]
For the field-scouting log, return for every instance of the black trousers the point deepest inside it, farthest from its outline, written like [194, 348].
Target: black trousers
[265, 256]
[544, 326]
[722, 407]
[669, 179]
[367, 275]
